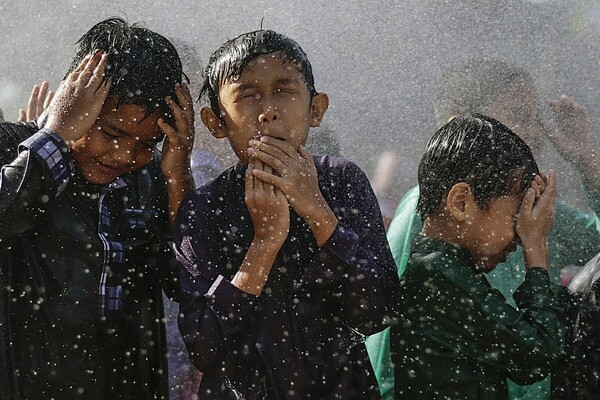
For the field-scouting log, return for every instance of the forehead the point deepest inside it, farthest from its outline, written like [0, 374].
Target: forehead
[266, 69]
[506, 205]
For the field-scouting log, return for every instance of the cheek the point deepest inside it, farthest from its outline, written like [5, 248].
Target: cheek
[143, 158]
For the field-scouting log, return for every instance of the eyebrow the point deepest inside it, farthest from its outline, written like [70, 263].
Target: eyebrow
[154, 139]
[282, 81]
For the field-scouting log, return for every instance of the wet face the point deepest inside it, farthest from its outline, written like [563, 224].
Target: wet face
[269, 98]
[120, 141]
[491, 236]
[519, 111]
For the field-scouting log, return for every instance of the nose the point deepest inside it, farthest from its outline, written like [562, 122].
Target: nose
[269, 114]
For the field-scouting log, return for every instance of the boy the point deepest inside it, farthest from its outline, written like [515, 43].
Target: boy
[507, 93]
[286, 262]
[85, 207]
[457, 337]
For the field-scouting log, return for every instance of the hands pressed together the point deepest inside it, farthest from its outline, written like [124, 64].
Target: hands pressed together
[279, 176]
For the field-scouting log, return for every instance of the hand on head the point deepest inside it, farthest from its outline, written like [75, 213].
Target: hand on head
[79, 99]
[535, 219]
[180, 138]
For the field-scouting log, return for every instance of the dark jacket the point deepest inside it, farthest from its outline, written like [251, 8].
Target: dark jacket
[54, 343]
[458, 338]
[302, 338]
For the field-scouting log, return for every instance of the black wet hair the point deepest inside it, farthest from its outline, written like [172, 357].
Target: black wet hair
[229, 60]
[143, 64]
[479, 151]
[474, 85]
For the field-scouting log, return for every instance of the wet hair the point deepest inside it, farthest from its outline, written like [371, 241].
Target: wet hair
[473, 86]
[229, 60]
[479, 151]
[144, 65]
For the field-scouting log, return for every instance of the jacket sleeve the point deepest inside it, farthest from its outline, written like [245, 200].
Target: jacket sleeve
[214, 314]
[356, 263]
[525, 343]
[39, 173]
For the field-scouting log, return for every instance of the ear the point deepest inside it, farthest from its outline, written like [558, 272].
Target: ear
[213, 123]
[318, 106]
[459, 201]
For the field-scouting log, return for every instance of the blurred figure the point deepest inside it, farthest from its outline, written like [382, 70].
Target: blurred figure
[507, 93]
[383, 180]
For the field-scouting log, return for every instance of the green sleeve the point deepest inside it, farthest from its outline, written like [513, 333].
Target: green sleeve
[404, 226]
[378, 347]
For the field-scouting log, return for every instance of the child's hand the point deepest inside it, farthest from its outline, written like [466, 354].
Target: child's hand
[39, 100]
[296, 172]
[296, 176]
[535, 218]
[268, 206]
[79, 99]
[179, 142]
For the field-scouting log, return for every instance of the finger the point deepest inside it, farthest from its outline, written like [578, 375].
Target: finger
[524, 214]
[98, 72]
[552, 188]
[180, 121]
[170, 133]
[258, 166]
[31, 104]
[87, 72]
[272, 162]
[22, 116]
[269, 178]
[306, 155]
[185, 100]
[284, 145]
[74, 75]
[548, 197]
[268, 187]
[271, 150]
[249, 176]
[49, 99]
[41, 99]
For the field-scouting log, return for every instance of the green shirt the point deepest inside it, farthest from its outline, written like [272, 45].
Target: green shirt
[575, 238]
[458, 338]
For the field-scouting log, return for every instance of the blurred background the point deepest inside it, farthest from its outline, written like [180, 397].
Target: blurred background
[378, 61]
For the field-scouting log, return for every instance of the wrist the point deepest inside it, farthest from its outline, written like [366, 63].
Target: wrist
[322, 224]
[178, 177]
[536, 254]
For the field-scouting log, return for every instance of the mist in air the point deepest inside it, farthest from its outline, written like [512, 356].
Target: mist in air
[378, 62]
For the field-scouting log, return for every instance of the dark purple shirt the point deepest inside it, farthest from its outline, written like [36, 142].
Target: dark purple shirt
[303, 337]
